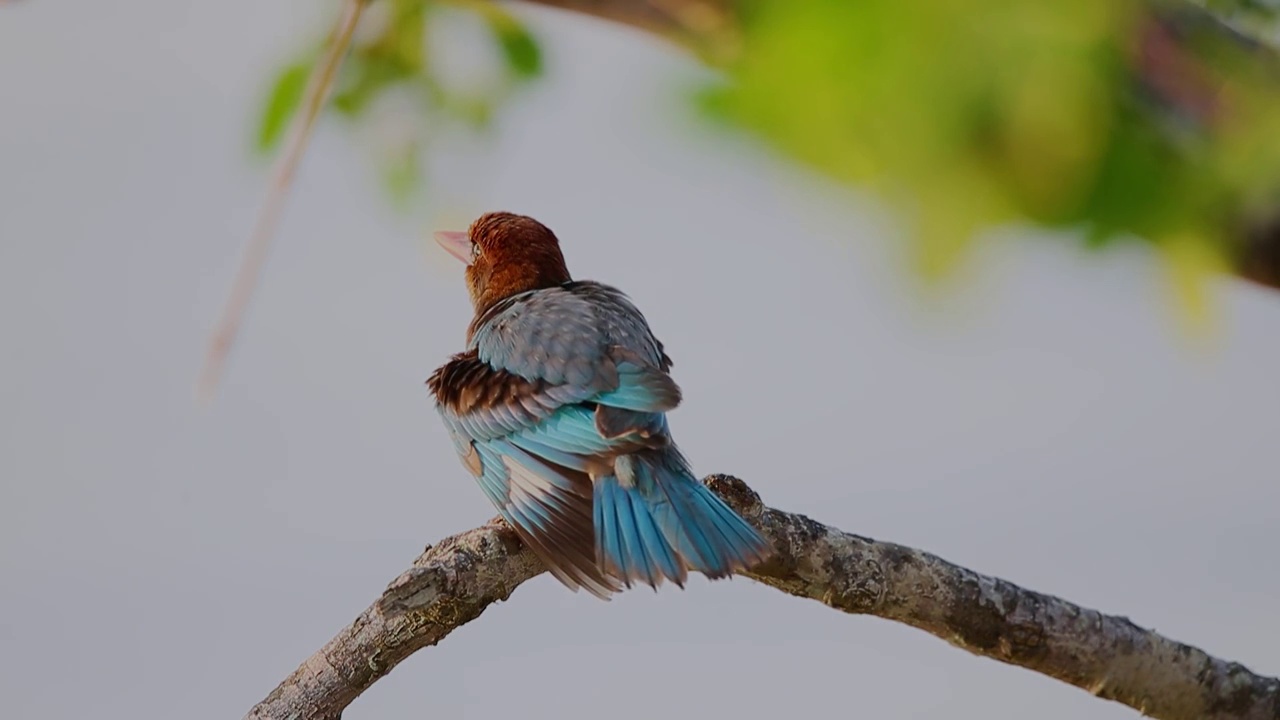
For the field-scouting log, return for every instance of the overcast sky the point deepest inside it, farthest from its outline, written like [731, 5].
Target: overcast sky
[1045, 423]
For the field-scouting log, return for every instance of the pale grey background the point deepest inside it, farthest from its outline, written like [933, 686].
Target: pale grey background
[1047, 424]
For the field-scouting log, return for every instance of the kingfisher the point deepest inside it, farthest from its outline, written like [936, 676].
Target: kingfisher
[558, 408]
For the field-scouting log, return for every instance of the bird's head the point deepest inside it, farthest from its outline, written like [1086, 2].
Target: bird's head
[505, 254]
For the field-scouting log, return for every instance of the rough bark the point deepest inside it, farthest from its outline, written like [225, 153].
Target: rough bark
[452, 583]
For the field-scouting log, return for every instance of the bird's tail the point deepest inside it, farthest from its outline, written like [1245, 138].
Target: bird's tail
[654, 520]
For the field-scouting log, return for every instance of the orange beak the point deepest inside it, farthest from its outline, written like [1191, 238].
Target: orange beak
[456, 244]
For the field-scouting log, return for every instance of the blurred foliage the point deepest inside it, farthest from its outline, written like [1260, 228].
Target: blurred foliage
[1089, 114]
[1101, 116]
[390, 60]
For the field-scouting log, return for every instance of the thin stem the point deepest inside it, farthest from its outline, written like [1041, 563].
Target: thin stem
[319, 86]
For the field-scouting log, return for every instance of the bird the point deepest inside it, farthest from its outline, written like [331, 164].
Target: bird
[558, 408]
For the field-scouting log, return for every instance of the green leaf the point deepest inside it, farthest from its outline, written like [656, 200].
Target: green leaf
[404, 38]
[519, 48]
[286, 94]
[1192, 261]
[367, 77]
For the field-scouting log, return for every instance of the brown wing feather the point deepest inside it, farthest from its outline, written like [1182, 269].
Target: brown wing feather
[467, 383]
[568, 545]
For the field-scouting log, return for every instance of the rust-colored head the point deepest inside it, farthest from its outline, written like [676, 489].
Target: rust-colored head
[505, 254]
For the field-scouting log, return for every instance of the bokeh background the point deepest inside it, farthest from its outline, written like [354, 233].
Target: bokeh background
[1041, 418]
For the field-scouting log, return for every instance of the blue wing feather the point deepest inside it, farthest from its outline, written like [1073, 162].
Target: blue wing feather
[641, 388]
[559, 386]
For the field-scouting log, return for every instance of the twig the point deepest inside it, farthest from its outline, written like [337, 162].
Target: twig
[319, 85]
[452, 583]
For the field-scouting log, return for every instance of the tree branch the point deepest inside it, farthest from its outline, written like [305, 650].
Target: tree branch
[452, 583]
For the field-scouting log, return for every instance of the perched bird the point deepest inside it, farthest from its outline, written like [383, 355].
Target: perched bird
[558, 408]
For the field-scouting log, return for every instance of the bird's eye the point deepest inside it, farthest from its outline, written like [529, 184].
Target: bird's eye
[475, 251]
